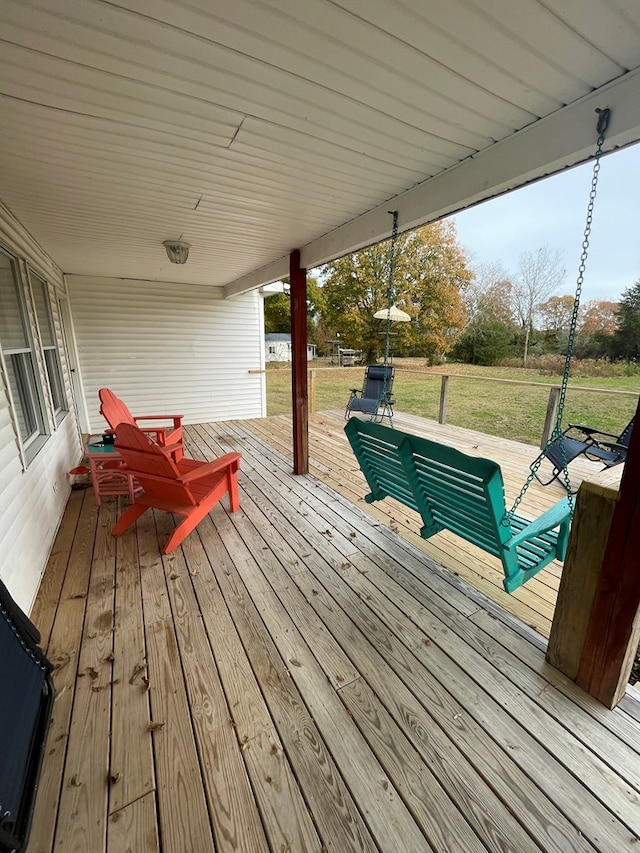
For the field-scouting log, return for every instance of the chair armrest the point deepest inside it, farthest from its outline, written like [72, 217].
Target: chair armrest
[616, 450]
[175, 418]
[211, 467]
[614, 446]
[553, 517]
[171, 448]
[590, 431]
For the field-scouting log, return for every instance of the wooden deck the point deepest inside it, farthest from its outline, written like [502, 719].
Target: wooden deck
[332, 461]
[298, 677]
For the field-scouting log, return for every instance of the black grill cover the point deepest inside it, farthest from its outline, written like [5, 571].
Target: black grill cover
[26, 699]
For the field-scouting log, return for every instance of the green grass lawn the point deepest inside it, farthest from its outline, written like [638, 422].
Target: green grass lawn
[505, 409]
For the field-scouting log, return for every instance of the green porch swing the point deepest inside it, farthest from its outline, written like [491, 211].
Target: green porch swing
[465, 494]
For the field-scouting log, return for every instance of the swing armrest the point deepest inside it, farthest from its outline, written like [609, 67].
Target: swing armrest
[557, 515]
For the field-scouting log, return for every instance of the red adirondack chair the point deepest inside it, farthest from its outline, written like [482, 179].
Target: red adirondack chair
[188, 488]
[115, 412]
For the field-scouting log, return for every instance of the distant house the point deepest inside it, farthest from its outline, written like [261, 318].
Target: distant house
[278, 347]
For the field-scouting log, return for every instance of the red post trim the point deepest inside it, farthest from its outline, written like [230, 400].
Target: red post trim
[299, 389]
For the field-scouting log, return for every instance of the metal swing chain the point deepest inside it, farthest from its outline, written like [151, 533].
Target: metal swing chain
[603, 122]
[391, 276]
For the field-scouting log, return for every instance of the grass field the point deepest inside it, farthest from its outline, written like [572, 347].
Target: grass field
[507, 409]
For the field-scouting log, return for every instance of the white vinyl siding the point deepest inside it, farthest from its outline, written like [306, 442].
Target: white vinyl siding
[32, 499]
[166, 348]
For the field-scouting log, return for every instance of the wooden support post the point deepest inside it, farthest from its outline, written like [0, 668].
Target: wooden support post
[299, 390]
[444, 390]
[312, 391]
[552, 415]
[595, 504]
[614, 627]
[596, 627]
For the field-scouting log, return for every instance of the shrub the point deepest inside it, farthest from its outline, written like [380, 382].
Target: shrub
[553, 365]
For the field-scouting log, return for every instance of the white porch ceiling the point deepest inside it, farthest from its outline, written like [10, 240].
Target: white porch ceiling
[250, 128]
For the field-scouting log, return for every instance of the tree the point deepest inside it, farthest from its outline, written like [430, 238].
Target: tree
[490, 321]
[627, 335]
[555, 318]
[277, 313]
[485, 341]
[497, 302]
[597, 323]
[490, 294]
[430, 271]
[598, 316]
[539, 274]
[556, 313]
[277, 309]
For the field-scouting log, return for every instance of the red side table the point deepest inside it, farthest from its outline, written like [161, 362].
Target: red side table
[108, 471]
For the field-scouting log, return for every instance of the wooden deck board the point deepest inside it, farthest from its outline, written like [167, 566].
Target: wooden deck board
[280, 801]
[132, 769]
[235, 822]
[134, 827]
[332, 461]
[44, 608]
[86, 774]
[384, 812]
[318, 681]
[71, 576]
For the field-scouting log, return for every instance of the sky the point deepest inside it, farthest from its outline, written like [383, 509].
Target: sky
[552, 213]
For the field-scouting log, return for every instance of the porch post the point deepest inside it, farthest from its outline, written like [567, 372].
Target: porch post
[614, 627]
[299, 390]
[596, 626]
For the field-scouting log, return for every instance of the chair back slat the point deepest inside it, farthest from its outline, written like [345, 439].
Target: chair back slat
[113, 409]
[154, 468]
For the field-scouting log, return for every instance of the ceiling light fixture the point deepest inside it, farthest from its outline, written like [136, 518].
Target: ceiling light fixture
[177, 251]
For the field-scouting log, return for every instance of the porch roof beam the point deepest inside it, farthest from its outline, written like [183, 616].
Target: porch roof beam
[562, 139]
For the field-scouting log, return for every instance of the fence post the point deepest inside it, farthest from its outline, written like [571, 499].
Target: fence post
[312, 391]
[444, 388]
[551, 416]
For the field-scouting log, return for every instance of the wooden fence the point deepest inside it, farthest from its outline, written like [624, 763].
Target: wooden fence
[552, 403]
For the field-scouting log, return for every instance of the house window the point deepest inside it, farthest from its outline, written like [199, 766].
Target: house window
[42, 302]
[19, 359]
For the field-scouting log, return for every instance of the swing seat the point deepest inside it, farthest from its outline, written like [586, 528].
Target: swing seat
[375, 397]
[460, 493]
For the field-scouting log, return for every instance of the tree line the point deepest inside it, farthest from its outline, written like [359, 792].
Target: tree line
[479, 315]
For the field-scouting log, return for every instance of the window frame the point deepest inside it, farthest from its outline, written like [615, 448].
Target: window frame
[50, 352]
[22, 370]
